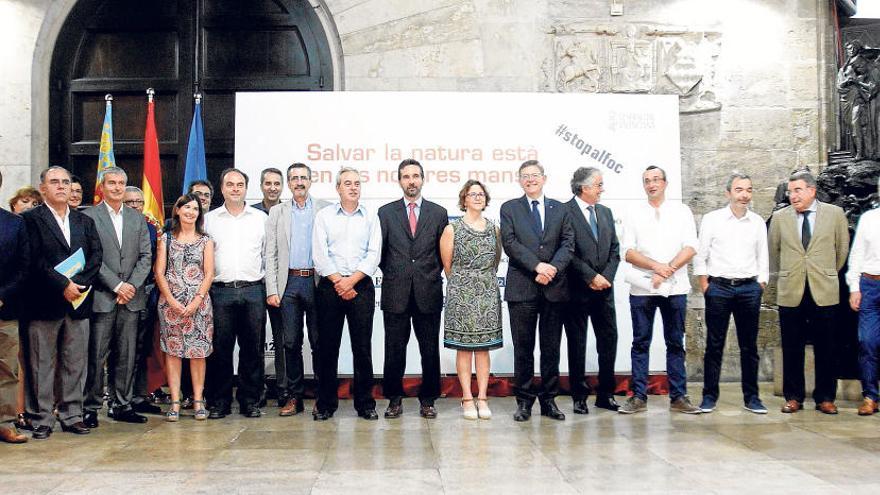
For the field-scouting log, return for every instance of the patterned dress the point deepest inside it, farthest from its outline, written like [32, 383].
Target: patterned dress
[473, 301]
[188, 337]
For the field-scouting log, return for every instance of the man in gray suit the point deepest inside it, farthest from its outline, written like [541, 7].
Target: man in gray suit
[290, 284]
[119, 297]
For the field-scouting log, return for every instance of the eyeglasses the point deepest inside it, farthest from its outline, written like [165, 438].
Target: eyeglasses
[475, 195]
[299, 178]
[133, 202]
[201, 194]
[530, 176]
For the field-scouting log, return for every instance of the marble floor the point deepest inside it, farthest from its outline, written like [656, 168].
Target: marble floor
[728, 451]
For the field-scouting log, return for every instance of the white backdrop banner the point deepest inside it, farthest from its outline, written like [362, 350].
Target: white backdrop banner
[461, 136]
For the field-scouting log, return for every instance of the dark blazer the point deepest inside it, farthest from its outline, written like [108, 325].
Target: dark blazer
[45, 286]
[412, 263]
[131, 262]
[591, 258]
[525, 249]
[14, 262]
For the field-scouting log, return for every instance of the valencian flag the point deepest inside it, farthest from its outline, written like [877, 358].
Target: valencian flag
[152, 182]
[195, 151]
[106, 159]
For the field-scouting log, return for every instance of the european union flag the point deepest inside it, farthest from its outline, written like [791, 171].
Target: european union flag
[195, 151]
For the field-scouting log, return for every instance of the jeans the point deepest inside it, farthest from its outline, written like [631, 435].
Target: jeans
[238, 314]
[869, 336]
[744, 302]
[298, 310]
[672, 310]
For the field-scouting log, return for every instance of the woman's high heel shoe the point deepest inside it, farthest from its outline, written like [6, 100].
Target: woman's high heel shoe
[173, 416]
[483, 409]
[201, 412]
[469, 412]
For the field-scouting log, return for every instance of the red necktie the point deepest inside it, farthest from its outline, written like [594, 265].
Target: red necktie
[412, 218]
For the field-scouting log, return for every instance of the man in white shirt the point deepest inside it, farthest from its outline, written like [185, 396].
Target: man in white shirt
[863, 278]
[119, 298]
[238, 299]
[733, 265]
[659, 240]
[346, 243]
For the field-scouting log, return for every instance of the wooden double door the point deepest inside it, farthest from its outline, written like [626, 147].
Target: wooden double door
[177, 47]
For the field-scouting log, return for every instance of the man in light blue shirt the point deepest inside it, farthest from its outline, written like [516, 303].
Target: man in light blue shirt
[290, 285]
[346, 244]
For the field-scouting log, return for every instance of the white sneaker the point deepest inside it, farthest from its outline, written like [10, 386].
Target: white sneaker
[483, 409]
[470, 412]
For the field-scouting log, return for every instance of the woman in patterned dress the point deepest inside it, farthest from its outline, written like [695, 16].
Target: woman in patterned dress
[471, 248]
[184, 271]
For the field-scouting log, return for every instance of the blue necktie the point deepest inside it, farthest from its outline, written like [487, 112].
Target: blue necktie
[594, 226]
[536, 218]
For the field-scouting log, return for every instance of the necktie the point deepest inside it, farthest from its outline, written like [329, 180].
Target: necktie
[412, 218]
[536, 218]
[594, 226]
[806, 234]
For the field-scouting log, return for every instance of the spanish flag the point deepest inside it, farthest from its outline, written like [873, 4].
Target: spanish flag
[152, 181]
[106, 159]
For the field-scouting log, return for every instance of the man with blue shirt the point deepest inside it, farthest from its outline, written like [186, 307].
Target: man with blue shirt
[290, 285]
[346, 244]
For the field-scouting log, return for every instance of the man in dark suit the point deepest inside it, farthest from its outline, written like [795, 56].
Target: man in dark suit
[590, 278]
[119, 298]
[412, 289]
[538, 238]
[59, 325]
[14, 262]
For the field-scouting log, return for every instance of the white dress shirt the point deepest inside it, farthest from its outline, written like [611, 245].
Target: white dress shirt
[864, 257]
[238, 244]
[345, 243]
[660, 234]
[583, 205]
[116, 219]
[417, 209]
[733, 247]
[63, 222]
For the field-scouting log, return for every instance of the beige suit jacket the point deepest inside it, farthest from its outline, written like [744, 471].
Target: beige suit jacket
[276, 251]
[819, 264]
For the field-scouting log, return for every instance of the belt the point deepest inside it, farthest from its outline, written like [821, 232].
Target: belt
[872, 277]
[733, 282]
[238, 284]
[301, 272]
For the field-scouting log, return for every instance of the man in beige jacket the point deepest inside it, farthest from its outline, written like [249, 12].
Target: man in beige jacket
[808, 242]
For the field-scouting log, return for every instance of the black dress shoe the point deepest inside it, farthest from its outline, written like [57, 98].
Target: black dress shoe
[90, 419]
[395, 408]
[523, 412]
[369, 414]
[128, 416]
[144, 407]
[41, 432]
[580, 407]
[551, 410]
[607, 402]
[251, 412]
[428, 411]
[321, 415]
[217, 413]
[22, 422]
[78, 428]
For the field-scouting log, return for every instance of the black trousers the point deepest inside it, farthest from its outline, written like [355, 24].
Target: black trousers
[525, 318]
[359, 314]
[598, 308]
[239, 314]
[807, 321]
[397, 331]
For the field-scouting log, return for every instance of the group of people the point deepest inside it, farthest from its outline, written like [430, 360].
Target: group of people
[78, 287]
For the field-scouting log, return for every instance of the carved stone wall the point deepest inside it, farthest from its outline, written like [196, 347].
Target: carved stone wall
[754, 79]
